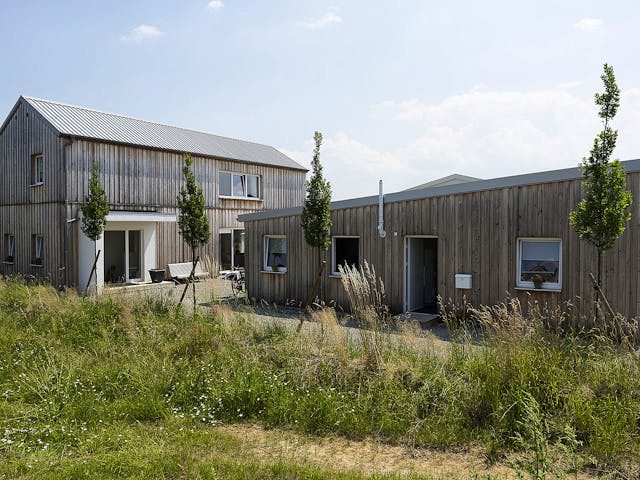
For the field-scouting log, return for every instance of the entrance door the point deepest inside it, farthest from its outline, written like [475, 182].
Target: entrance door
[421, 274]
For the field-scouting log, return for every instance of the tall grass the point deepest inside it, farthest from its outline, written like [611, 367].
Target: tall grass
[73, 372]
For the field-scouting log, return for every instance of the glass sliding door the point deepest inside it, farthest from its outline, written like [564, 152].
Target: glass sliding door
[231, 249]
[238, 248]
[134, 255]
[123, 260]
[226, 255]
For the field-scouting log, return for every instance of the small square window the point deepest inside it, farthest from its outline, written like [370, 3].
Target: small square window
[37, 250]
[9, 248]
[539, 263]
[37, 169]
[344, 251]
[275, 253]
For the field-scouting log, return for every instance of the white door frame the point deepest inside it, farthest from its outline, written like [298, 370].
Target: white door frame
[407, 269]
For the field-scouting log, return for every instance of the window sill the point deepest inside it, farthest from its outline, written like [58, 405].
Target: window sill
[273, 272]
[543, 289]
[244, 199]
[7, 263]
[335, 275]
[39, 184]
[37, 266]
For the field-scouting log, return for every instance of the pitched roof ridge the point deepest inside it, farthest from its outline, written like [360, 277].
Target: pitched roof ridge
[94, 110]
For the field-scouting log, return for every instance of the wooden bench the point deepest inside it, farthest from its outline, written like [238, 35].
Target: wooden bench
[181, 271]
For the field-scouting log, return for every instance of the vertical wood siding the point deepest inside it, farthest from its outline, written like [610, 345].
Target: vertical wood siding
[477, 233]
[27, 210]
[135, 179]
[139, 179]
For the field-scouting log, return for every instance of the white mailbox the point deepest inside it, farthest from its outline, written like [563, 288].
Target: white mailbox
[463, 281]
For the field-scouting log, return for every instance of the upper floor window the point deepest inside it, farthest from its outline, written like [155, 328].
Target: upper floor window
[344, 251]
[539, 263]
[239, 185]
[37, 169]
[9, 248]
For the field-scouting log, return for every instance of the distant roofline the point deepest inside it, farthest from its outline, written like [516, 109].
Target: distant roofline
[454, 176]
[550, 176]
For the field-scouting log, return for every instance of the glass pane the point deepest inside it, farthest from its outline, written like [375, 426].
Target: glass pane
[238, 248]
[135, 261]
[541, 259]
[224, 184]
[252, 187]
[114, 256]
[346, 252]
[276, 252]
[238, 186]
[225, 251]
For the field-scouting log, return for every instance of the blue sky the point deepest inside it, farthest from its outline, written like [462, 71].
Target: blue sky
[407, 91]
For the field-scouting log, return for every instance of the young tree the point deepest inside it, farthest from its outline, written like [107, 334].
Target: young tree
[94, 214]
[316, 219]
[602, 214]
[192, 222]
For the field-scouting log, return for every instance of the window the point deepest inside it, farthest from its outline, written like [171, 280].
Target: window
[239, 185]
[344, 251]
[37, 169]
[539, 263]
[9, 248]
[275, 253]
[37, 250]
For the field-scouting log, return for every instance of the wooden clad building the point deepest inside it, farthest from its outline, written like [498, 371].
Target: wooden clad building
[47, 152]
[483, 240]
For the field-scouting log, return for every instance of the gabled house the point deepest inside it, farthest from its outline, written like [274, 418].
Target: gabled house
[47, 152]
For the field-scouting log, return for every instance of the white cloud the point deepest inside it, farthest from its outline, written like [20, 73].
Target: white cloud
[482, 133]
[141, 33]
[215, 5]
[589, 24]
[331, 17]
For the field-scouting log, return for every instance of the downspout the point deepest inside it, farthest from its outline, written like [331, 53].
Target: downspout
[381, 231]
[68, 143]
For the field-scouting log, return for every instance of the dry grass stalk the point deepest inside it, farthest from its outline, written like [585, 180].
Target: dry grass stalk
[366, 296]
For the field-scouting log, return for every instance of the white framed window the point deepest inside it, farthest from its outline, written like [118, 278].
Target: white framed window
[37, 250]
[37, 169]
[275, 253]
[238, 185]
[539, 263]
[9, 248]
[345, 250]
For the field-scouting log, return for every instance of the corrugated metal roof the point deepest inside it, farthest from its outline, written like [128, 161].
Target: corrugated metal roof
[87, 123]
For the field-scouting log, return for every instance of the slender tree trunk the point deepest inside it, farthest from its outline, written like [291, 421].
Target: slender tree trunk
[93, 270]
[193, 278]
[320, 268]
[599, 287]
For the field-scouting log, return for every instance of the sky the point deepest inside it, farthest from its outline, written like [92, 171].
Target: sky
[406, 91]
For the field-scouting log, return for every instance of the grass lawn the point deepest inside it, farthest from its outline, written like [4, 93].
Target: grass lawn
[107, 388]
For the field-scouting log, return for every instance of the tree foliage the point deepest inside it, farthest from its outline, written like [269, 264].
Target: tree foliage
[602, 214]
[95, 207]
[192, 221]
[316, 218]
